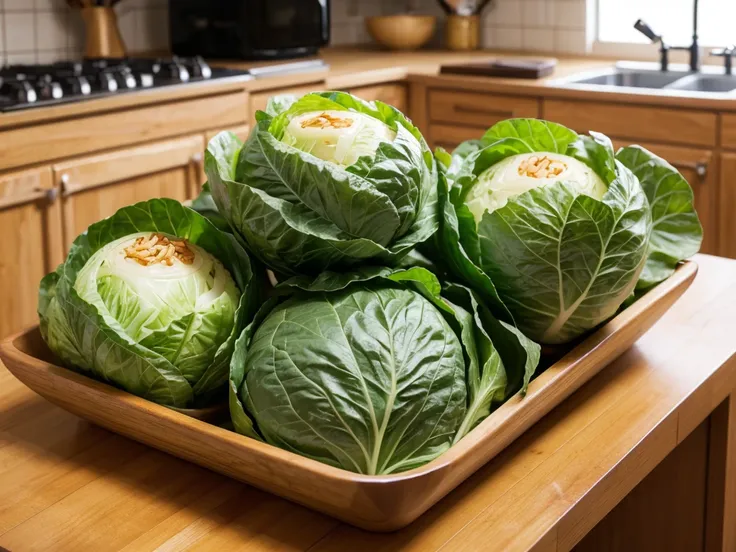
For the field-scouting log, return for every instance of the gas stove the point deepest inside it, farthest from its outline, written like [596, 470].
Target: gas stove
[28, 86]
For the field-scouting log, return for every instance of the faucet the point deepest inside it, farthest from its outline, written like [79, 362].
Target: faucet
[664, 49]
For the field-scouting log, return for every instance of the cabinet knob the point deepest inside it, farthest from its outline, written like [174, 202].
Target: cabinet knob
[197, 158]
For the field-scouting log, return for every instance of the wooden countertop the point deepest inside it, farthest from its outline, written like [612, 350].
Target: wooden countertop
[364, 66]
[68, 485]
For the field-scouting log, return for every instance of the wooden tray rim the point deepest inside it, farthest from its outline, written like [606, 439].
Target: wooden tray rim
[502, 415]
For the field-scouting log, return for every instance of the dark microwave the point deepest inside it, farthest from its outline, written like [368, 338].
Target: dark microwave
[248, 29]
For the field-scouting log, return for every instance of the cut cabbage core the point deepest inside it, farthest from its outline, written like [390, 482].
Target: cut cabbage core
[340, 137]
[521, 173]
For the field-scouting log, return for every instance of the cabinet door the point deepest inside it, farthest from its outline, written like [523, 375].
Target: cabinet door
[700, 169]
[727, 206]
[95, 187]
[636, 122]
[241, 132]
[457, 116]
[392, 93]
[31, 243]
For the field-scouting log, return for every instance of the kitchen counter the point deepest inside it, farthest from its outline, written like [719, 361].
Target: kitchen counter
[364, 66]
[68, 485]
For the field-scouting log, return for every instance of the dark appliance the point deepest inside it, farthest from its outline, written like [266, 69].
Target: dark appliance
[248, 29]
[26, 86]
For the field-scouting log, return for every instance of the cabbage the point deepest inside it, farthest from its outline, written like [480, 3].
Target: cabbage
[339, 137]
[509, 178]
[553, 230]
[151, 300]
[326, 182]
[373, 371]
[555, 258]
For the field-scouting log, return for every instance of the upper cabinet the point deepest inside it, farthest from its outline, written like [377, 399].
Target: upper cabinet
[31, 244]
[95, 187]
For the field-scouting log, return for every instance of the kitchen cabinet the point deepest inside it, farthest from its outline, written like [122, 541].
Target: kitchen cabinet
[95, 187]
[57, 141]
[700, 168]
[241, 131]
[635, 122]
[727, 205]
[728, 131]
[675, 135]
[31, 243]
[455, 116]
[393, 93]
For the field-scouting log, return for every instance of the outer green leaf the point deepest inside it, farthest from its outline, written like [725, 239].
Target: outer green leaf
[676, 233]
[370, 379]
[280, 103]
[205, 206]
[90, 339]
[536, 135]
[300, 214]
[448, 251]
[564, 263]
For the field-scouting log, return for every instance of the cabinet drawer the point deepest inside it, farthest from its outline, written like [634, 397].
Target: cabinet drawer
[393, 94]
[478, 110]
[95, 187]
[241, 132]
[72, 137]
[728, 131]
[635, 123]
[31, 247]
[449, 136]
[700, 169]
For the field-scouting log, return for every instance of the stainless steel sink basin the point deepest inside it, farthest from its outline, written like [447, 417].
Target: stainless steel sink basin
[637, 79]
[705, 83]
[644, 76]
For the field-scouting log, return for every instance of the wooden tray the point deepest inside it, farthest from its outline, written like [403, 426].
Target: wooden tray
[381, 503]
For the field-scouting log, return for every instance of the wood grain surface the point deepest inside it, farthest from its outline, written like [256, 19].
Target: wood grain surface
[382, 503]
[66, 484]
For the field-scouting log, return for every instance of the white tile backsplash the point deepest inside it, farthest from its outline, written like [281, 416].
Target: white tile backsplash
[51, 29]
[20, 32]
[538, 40]
[535, 13]
[48, 30]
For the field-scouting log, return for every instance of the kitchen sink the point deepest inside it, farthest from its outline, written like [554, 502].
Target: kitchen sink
[637, 79]
[705, 83]
[648, 76]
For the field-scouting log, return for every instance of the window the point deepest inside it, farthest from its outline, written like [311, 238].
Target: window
[672, 19]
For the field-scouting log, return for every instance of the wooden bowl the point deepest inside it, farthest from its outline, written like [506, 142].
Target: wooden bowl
[401, 32]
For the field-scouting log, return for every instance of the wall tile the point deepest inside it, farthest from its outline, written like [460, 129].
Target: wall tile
[569, 14]
[51, 30]
[17, 5]
[16, 58]
[508, 38]
[538, 40]
[534, 13]
[570, 41]
[20, 35]
[44, 29]
[507, 12]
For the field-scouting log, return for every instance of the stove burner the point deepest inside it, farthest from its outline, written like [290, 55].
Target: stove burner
[23, 86]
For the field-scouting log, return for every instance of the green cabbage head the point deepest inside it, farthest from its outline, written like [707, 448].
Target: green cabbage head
[324, 182]
[553, 230]
[151, 300]
[374, 371]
